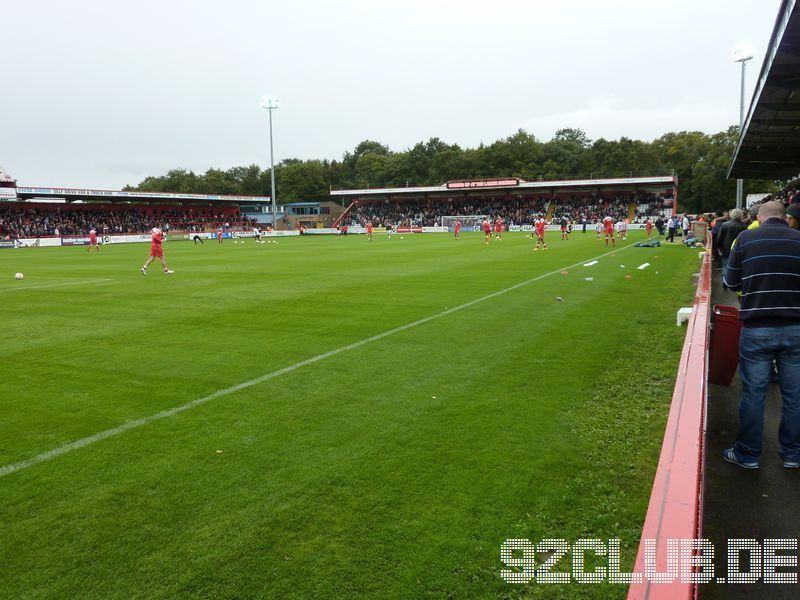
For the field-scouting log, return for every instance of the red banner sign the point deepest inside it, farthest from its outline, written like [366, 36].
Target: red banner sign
[482, 183]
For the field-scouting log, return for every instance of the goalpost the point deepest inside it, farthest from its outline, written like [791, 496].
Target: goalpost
[468, 222]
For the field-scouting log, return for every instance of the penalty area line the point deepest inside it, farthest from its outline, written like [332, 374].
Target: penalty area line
[129, 425]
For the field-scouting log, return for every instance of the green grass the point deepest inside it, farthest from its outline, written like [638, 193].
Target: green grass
[394, 469]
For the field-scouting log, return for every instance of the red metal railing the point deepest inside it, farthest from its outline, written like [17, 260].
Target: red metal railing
[344, 214]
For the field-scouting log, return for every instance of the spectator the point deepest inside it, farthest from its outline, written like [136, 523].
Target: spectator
[672, 226]
[728, 232]
[722, 217]
[764, 266]
[793, 215]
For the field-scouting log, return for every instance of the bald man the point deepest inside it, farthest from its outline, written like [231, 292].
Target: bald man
[764, 264]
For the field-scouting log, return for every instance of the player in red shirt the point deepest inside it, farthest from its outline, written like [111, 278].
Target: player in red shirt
[608, 224]
[457, 229]
[487, 231]
[93, 240]
[538, 226]
[498, 228]
[369, 231]
[219, 236]
[649, 227]
[156, 251]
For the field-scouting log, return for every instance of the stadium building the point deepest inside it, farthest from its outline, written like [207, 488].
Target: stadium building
[517, 201]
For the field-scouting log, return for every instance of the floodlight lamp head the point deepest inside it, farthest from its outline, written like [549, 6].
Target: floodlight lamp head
[742, 53]
[269, 103]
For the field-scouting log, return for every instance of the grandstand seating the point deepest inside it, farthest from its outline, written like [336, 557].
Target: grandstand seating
[513, 209]
[428, 212]
[593, 208]
[40, 220]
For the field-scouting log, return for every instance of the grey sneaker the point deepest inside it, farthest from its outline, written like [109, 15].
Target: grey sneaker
[790, 464]
[143, 271]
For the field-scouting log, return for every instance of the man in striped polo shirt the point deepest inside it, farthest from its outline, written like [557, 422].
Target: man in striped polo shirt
[764, 264]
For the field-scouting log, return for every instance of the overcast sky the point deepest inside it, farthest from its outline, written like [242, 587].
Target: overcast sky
[101, 93]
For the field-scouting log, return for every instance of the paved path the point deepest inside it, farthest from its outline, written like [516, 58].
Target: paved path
[738, 503]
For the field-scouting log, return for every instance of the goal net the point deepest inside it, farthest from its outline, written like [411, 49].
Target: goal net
[468, 222]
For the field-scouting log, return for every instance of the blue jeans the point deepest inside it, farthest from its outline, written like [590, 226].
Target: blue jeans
[758, 347]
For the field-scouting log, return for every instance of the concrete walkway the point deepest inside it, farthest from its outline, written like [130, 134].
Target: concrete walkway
[738, 503]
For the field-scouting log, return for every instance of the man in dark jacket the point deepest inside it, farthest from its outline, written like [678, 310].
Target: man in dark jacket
[727, 233]
[764, 265]
[722, 218]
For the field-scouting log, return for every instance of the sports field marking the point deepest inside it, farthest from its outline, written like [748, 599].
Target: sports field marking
[50, 285]
[56, 452]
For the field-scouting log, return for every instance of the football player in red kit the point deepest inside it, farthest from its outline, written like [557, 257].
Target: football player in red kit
[487, 231]
[649, 227]
[498, 228]
[156, 251]
[369, 231]
[608, 224]
[93, 240]
[538, 226]
[457, 229]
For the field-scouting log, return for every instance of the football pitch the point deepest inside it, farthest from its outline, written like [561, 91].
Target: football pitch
[328, 418]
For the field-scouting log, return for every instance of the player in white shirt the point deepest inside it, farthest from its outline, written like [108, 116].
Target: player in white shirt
[257, 235]
[599, 227]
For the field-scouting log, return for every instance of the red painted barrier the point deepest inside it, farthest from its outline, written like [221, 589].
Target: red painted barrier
[675, 509]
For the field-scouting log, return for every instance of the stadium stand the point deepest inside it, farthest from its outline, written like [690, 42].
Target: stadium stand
[514, 210]
[428, 212]
[40, 220]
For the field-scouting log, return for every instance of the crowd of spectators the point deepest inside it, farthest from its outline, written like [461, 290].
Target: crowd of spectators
[650, 206]
[788, 195]
[40, 220]
[594, 207]
[514, 210]
[429, 212]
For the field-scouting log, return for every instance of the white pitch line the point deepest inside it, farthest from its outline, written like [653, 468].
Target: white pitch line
[56, 452]
[51, 285]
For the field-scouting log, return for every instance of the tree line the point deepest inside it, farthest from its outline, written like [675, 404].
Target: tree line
[699, 160]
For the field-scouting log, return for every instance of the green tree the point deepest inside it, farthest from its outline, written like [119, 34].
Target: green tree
[566, 154]
[700, 160]
[301, 181]
[371, 170]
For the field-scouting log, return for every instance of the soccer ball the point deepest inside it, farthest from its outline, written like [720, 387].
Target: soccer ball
[19, 276]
